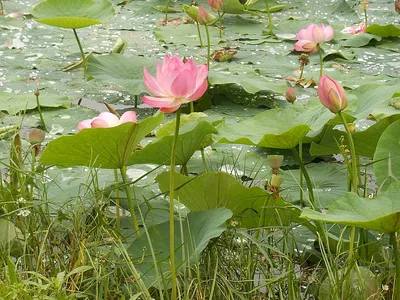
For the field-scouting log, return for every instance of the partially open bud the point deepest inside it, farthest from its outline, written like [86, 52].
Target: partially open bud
[331, 94]
[204, 16]
[36, 136]
[275, 161]
[290, 95]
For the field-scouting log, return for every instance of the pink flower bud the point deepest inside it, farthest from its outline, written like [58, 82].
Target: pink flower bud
[203, 16]
[290, 95]
[397, 6]
[215, 5]
[36, 136]
[331, 94]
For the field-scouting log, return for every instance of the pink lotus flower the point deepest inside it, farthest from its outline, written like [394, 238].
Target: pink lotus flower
[204, 17]
[355, 29]
[215, 5]
[107, 119]
[14, 15]
[397, 6]
[312, 37]
[176, 83]
[331, 94]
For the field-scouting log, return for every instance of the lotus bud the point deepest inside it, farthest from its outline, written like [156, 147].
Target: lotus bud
[276, 181]
[215, 5]
[203, 17]
[397, 6]
[36, 136]
[352, 127]
[290, 95]
[331, 94]
[275, 161]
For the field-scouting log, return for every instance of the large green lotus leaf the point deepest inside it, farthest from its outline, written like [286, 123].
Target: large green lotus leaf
[73, 13]
[188, 143]
[280, 128]
[126, 71]
[15, 103]
[385, 31]
[219, 189]
[169, 127]
[8, 232]
[373, 96]
[361, 40]
[108, 148]
[365, 141]
[381, 213]
[191, 236]
[387, 155]
[186, 34]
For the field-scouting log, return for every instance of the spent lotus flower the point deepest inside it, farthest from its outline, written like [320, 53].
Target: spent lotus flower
[332, 94]
[215, 5]
[355, 29]
[176, 83]
[312, 37]
[107, 119]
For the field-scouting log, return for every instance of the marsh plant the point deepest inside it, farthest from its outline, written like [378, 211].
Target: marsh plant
[230, 179]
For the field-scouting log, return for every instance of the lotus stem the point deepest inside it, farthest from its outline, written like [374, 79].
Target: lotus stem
[130, 201]
[365, 17]
[393, 240]
[1, 8]
[321, 62]
[271, 32]
[203, 159]
[306, 177]
[301, 172]
[199, 34]
[81, 50]
[39, 109]
[117, 210]
[208, 47]
[166, 10]
[191, 105]
[220, 24]
[171, 207]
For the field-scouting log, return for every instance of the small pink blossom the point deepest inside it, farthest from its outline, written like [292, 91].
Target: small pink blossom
[176, 83]
[215, 5]
[107, 119]
[355, 29]
[312, 37]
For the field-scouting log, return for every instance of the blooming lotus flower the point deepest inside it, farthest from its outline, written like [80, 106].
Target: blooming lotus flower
[215, 5]
[331, 94]
[355, 29]
[176, 83]
[107, 119]
[312, 37]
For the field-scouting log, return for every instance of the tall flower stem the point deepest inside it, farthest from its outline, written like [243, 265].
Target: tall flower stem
[271, 32]
[166, 10]
[220, 24]
[39, 109]
[306, 177]
[393, 240]
[208, 47]
[301, 173]
[365, 17]
[130, 200]
[321, 62]
[81, 50]
[199, 34]
[171, 207]
[117, 208]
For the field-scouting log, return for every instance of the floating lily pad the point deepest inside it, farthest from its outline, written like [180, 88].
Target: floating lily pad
[73, 13]
[381, 213]
[108, 148]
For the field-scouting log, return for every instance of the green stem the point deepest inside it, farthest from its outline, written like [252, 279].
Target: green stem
[130, 201]
[171, 207]
[320, 62]
[365, 17]
[33, 154]
[81, 50]
[117, 210]
[1, 8]
[393, 239]
[199, 34]
[203, 159]
[301, 72]
[301, 173]
[306, 177]
[40, 112]
[220, 24]
[208, 47]
[353, 166]
[271, 32]
[191, 105]
[136, 100]
[166, 11]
